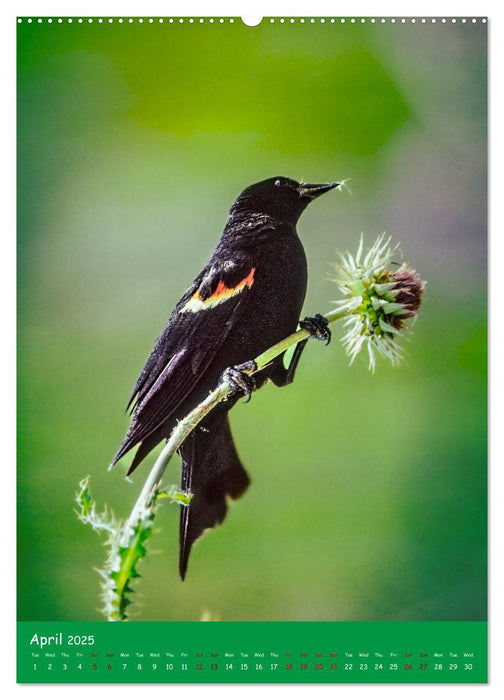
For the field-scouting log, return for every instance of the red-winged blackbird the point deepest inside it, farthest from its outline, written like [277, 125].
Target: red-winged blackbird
[247, 297]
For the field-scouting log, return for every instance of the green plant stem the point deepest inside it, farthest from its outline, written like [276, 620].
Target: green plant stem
[123, 578]
[187, 425]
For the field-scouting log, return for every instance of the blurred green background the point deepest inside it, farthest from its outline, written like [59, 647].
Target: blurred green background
[368, 495]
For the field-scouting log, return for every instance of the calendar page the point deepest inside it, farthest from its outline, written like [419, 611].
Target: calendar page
[252, 349]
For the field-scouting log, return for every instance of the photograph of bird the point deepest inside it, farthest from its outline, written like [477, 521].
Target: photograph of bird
[248, 296]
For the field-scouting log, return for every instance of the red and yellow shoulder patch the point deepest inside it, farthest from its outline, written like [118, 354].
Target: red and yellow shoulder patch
[222, 293]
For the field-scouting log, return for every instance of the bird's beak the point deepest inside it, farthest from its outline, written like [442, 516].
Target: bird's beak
[312, 191]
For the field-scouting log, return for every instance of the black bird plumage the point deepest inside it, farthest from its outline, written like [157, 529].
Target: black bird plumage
[247, 297]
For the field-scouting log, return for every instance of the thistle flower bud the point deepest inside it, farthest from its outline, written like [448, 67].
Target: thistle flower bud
[379, 303]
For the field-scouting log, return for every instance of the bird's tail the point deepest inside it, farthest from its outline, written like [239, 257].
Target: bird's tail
[211, 470]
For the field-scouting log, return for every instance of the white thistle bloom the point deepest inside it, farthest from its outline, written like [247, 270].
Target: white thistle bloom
[378, 302]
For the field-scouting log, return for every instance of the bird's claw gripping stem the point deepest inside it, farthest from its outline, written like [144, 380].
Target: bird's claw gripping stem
[239, 379]
[318, 327]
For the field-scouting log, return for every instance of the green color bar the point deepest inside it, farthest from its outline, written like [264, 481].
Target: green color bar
[252, 652]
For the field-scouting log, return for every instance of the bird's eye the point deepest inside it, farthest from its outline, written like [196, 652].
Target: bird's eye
[278, 183]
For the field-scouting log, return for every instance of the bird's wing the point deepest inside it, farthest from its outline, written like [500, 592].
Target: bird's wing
[164, 349]
[193, 336]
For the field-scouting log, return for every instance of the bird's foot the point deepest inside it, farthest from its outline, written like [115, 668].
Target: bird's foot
[318, 327]
[240, 380]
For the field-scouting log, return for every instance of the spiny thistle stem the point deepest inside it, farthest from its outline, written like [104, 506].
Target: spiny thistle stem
[124, 552]
[126, 542]
[378, 305]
